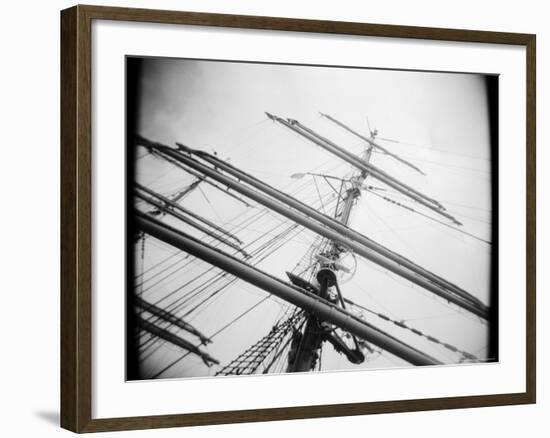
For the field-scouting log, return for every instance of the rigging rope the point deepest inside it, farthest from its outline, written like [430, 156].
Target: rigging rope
[406, 207]
[402, 325]
[215, 279]
[221, 275]
[251, 359]
[212, 336]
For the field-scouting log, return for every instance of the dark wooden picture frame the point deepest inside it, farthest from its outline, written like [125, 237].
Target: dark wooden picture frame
[76, 218]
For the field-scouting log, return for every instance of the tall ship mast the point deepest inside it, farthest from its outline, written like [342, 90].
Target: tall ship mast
[237, 273]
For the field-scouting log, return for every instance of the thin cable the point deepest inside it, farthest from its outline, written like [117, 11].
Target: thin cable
[429, 217]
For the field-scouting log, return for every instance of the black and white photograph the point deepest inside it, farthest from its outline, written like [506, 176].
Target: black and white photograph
[275, 219]
[287, 218]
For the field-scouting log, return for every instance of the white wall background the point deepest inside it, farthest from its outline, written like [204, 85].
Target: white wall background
[29, 232]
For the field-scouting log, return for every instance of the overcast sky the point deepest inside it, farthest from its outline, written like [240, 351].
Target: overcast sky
[441, 121]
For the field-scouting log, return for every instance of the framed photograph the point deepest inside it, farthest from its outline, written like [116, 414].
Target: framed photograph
[269, 218]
